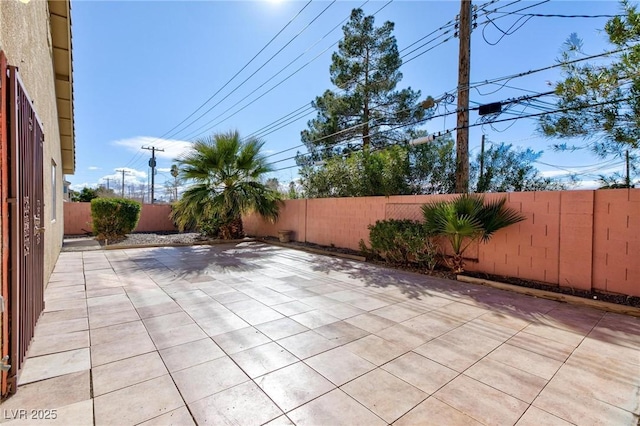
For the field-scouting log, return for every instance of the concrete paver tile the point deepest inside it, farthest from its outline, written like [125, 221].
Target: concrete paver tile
[339, 365]
[457, 351]
[525, 360]
[542, 346]
[334, 408]
[58, 364]
[481, 402]
[125, 331]
[433, 323]
[342, 311]
[571, 338]
[536, 417]
[173, 336]
[53, 343]
[421, 372]
[120, 349]
[178, 417]
[398, 312]
[263, 359]
[223, 324]
[292, 308]
[368, 303]
[105, 319]
[244, 404]
[120, 374]
[59, 327]
[562, 402]
[375, 349]
[384, 394]
[314, 319]
[292, 386]
[281, 328]
[512, 381]
[370, 322]
[137, 403]
[164, 322]
[259, 316]
[341, 332]
[612, 384]
[58, 316]
[46, 394]
[158, 309]
[227, 297]
[405, 337]
[280, 421]
[240, 340]
[434, 412]
[306, 344]
[208, 378]
[190, 354]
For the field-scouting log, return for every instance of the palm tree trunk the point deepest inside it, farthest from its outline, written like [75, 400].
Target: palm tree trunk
[232, 230]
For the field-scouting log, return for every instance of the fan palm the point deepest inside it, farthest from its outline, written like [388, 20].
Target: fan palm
[466, 219]
[225, 173]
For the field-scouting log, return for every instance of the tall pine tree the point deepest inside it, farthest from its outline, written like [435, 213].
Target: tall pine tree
[359, 115]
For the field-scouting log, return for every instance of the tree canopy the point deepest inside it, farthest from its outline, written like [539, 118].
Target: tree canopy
[224, 173]
[367, 107]
[600, 103]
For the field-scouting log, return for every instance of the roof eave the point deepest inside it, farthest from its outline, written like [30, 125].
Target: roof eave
[60, 23]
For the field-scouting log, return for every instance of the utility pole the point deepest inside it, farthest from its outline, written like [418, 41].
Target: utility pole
[107, 179]
[123, 171]
[628, 177]
[480, 180]
[462, 125]
[152, 164]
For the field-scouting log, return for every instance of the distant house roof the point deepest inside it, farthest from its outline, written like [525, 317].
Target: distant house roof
[60, 18]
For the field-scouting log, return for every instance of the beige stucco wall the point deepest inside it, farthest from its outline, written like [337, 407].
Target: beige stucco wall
[25, 38]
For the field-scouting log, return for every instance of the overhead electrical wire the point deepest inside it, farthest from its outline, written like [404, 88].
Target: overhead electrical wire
[567, 109]
[238, 72]
[257, 70]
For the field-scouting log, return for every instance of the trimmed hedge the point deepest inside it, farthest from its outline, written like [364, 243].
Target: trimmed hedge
[114, 217]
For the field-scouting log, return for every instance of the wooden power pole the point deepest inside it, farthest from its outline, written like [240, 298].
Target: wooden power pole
[462, 125]
[152, 164]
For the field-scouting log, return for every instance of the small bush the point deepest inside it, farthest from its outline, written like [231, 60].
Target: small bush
[114, 217]
[401, 242]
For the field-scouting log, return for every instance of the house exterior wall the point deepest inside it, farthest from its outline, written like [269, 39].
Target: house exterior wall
[25, 38]
[579, 239]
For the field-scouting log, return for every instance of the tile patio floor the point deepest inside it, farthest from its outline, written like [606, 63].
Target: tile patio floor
[255, 334]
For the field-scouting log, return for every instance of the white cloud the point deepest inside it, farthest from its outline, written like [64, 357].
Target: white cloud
[163, 169]
[79, 186]
[172, 148]
[93, 168]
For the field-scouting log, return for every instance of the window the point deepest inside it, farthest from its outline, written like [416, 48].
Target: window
[54, 190]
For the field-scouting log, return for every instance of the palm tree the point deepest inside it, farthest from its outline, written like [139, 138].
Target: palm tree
[465, 219]
[225, 172]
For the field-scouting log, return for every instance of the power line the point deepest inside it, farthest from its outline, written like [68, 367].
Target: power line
[236, 74]
[494, 121]
[257, 70]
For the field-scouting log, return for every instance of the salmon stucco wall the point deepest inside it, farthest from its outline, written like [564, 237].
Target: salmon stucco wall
[578, 239]
[153, 218]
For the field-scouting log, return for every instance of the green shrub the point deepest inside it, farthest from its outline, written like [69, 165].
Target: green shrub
[114, 217]
[401, 242]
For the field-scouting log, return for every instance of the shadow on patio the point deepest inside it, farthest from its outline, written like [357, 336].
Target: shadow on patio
[252, 334]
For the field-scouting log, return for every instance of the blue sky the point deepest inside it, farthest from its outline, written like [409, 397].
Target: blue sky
[142, 67]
